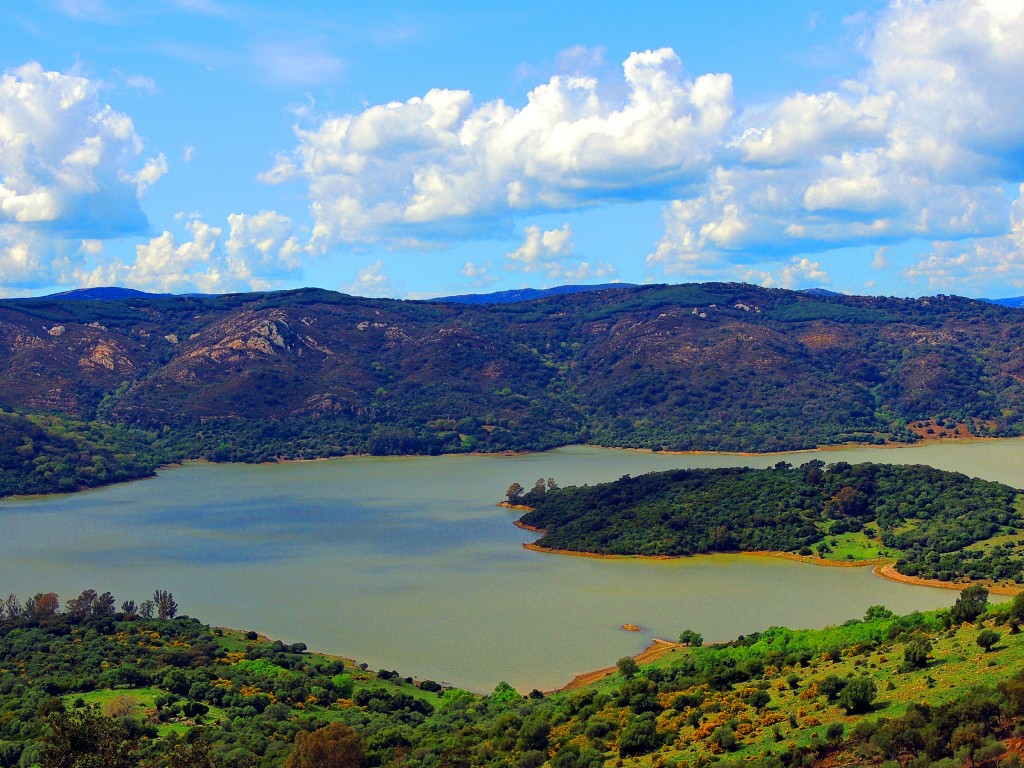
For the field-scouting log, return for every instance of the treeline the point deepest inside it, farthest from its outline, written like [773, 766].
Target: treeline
[87, 686]
[931, 520]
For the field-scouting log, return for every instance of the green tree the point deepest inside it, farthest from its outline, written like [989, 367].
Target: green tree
[514, 494]
[691, 638]
[972, 602]
[915, 654]
[627, 667]
[85, 739]
[858, 695]
[988, 638]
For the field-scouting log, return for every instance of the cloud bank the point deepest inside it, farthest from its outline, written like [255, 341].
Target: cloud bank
[923, 143]
[441, 166]
[923, 147]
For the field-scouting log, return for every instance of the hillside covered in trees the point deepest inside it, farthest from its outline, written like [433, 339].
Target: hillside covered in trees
[311, 373]
[935, 524]
[90, 685]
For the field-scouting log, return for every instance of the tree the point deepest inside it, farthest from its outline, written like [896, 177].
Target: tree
[333, 746]
[915, 654]
[85, 738]
[627, 667]
[13, 607]
[42, 604]
[146, 609]
[166, 608]
[81, 606]
[858, 695]
[1016, 615]
[972, 602]
[514, 494]
[691, 638]
[987, 638]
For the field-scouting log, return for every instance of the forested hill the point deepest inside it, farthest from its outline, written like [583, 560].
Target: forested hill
[704, 366]
[935, 524]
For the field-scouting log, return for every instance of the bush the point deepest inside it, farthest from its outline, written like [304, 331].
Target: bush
[858, 695]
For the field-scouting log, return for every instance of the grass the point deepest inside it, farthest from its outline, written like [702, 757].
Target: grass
[854, 546]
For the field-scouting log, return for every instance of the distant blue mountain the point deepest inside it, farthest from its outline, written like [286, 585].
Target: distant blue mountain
[102, 294]
[113, 293]
[1014, 302]
[525, 294]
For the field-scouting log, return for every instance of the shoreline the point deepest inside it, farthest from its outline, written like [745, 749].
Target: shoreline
[654, 651]
[889, 573]
[792, 556]
[881, 567]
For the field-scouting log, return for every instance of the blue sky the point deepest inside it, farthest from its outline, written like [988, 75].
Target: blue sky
[423, 149]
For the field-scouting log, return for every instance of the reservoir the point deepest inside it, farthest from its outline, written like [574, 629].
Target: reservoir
[407, 564]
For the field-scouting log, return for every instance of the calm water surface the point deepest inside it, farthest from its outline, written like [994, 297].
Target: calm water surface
[406, 563]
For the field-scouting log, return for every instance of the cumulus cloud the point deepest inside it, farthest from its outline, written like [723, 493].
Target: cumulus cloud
[798, 273]
[442, 166]
[919, 146]
[259, 252]
[477, 274]
[71, 167]
[63, 153]
[551, 252]
[371, 281]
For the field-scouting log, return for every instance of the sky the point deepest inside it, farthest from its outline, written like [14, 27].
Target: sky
[419, 149]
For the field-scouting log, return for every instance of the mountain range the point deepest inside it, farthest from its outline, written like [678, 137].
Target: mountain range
[713, 366]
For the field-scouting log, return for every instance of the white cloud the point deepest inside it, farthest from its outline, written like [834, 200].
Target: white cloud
[188, 153]
[371, 281]
[976, 263]
[919, 146]
[66, 159]
[151, 173]
[265, 240]
[477, 274]
[259, 252]
[69, 169]
[798, 273]
[551, 252]
[442, 166]
[141, 83]
[880, 260]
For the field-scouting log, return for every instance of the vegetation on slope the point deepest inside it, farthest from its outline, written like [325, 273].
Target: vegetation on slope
[935, 524]
[312, 373]
[131, 688]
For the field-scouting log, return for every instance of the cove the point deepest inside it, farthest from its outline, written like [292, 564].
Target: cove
[406, 563]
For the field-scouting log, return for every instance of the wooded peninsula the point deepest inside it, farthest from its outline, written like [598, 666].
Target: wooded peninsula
[934, 524]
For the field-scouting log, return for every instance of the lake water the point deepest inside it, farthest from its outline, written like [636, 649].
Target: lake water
[406, 563]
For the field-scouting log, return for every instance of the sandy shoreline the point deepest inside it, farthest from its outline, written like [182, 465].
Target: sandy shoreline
[883, 568]
[651, 653]
[889, 572]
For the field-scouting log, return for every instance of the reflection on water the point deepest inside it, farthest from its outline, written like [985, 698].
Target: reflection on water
[407, 564]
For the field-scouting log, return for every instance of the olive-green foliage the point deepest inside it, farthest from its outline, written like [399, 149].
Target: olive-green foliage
[858, 695]
[264, 703]
[928, 516]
